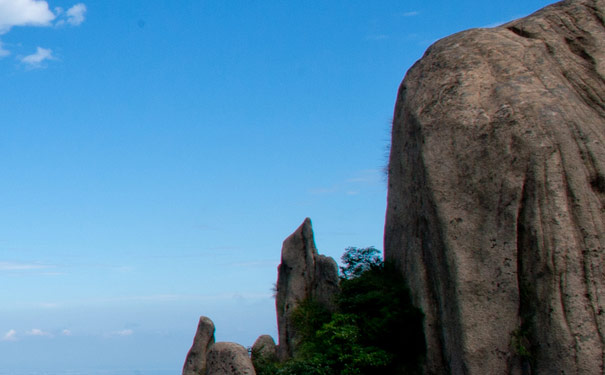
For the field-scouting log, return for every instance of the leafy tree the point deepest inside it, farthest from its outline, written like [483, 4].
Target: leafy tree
[308, 318]
[381, 301]
[359, 260]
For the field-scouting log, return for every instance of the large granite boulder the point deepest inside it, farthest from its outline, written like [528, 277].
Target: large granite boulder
[496, 194]
[302, 274]
[195, 362]
[264, 350]
[229, 358]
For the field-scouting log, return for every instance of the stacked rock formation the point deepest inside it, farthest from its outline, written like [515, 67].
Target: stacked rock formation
[195, 363]
[209, 358]
[496, 201]
[302, 274]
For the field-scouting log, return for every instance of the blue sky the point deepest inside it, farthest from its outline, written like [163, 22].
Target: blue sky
[155, 154]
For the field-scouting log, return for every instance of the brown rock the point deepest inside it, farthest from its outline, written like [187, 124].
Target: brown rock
[303, 273]
[497, 194]
[264, 349]
[228, 358]
[195, 362]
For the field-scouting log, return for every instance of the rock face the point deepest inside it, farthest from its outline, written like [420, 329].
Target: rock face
[264, 348]
[195, 363]
[228, 358]
[496, 194]
[303, 273]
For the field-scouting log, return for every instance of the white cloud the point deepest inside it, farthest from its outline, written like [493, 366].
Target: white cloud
[24, 13]
[124, 332]
[36, 59]
[10, 336]
[66, 332]
[36, 13]
[75, 14]
[38, 332]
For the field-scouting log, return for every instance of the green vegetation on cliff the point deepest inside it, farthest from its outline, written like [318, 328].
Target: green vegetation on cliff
[375, 328]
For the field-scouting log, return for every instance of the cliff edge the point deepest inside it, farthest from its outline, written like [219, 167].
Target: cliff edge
[496, 200]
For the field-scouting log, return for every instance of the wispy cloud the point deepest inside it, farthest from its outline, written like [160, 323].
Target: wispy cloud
[3, 52]
[153, 299]
[11, 335]
[75, 14]
[366, 176]
[48, 305]
[326, 190]
[38, 332]
[121, 333]
[12, 266]
[36, 60]
[353, 185]
[412, 13]
[255, 264]
[66, 332]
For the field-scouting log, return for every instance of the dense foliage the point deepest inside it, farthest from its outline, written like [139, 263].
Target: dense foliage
[375, 330]
[359, 260]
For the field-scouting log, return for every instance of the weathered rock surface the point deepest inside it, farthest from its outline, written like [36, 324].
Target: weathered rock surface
[303, 273]
[497, 194]
[264, 348]
[229, 358]
[195, 362]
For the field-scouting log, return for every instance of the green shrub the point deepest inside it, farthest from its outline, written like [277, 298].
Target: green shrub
[308, 318]
[375, 330]
[385, 314]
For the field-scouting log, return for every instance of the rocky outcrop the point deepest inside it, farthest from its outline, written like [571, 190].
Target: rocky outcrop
[496, 194]
[264, 350]
[302, 274]
[195, 363]
[229, 358]
[209, 358]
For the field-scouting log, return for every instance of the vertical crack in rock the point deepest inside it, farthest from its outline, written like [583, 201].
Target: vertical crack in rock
[524, 335]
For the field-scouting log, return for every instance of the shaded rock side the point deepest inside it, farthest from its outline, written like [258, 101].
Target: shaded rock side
[496, 194]
[303, 273]
[228, 358]
[195, 362]
[264, 349]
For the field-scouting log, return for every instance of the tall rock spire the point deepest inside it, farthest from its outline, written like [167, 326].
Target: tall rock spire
[302, 274]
